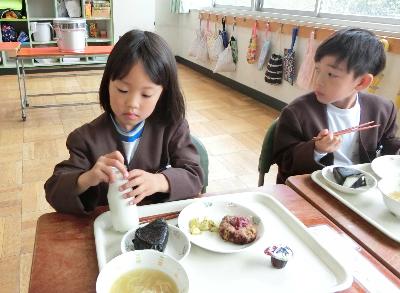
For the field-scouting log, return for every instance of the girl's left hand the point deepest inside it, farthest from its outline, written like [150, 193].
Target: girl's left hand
[144, 184]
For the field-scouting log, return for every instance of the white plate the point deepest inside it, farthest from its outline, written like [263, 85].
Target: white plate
[369, 205]
[178, 245]
[327, 173]
[387, 166]
[216, 210]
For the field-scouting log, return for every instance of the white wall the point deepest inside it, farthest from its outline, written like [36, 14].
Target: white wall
[185, 25]
[133, 14]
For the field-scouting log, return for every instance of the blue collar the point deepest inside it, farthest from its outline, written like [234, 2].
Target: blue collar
[129, 136]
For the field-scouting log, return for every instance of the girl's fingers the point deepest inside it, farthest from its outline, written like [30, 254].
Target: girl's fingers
[132, 183]
[116, 155]
[138, 199]
[135, 173]
[112, 162]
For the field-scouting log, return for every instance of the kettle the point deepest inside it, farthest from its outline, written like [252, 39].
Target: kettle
[41, 31]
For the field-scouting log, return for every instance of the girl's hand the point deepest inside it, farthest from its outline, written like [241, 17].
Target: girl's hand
[144, 184]
[326, 142]
[102, 171]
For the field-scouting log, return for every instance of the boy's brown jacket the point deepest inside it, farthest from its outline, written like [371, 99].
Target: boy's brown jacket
[305, 117]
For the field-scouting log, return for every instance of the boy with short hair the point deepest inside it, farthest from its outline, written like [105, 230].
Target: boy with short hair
[345, 65]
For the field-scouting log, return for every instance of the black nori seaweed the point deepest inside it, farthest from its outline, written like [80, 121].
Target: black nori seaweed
[341, 173]
[152, 236]
[359, 182]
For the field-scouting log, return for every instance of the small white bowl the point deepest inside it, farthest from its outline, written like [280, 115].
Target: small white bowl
[178, 245]
[388, 186]
[327, 173]
[139, 259]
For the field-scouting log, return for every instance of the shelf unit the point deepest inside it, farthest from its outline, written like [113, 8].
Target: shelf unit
[43, 11]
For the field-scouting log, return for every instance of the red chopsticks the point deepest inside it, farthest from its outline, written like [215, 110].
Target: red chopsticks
[360, 127]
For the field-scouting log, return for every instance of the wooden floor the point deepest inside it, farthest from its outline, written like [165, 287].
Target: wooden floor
[231, 126]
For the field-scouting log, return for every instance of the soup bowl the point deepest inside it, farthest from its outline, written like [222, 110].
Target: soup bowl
[390, 187]
[142, 259]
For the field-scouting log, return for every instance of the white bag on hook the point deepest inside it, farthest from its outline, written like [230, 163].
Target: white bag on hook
[225, 61]
[202, 50]
[194, 47]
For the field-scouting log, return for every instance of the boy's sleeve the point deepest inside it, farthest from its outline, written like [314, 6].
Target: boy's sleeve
[185, 176]
[389, 141]
[293, 151]
[61, 188]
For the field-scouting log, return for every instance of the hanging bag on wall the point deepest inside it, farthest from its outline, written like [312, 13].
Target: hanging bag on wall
[202, 50]
[233, 44]
[289, 60]
[273, 74]
[224, 34]
[252, 48]
[305, 77]
[265, 49]
[217, 47]
[225, 61]
[194, 47]
[211, 37]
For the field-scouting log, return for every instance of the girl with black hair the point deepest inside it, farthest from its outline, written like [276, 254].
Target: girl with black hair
[143, 133]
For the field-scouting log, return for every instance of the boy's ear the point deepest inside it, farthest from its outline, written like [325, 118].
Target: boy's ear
[364, 81]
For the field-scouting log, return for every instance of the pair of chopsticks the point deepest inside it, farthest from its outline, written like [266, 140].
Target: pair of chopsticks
[360, 127]
[166, 216]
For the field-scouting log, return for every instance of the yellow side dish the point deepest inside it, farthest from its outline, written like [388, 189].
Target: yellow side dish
[395, 195]
[196, 226]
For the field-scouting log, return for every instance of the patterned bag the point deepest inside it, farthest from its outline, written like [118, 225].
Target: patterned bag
[234, 46]
[202, 51]
[8, 33]
[211, 38]
[265, 49]
[289, 61]
[305, 77]
[251, 50]
[273, 75]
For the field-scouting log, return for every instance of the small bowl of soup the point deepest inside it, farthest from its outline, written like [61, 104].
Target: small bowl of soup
[390, 188]
[143, 271]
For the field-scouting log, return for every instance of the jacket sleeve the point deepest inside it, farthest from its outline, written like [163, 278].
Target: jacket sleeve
[185, 176]
[389, 141]
[293, 152]
[61, 188]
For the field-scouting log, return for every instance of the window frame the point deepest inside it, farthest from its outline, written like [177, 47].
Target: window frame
[375, 23]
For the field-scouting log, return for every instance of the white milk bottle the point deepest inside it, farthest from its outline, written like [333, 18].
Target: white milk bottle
[123, 215]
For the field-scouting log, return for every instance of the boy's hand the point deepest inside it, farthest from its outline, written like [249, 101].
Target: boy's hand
[102, 171]
[326, 142]
[144, 184]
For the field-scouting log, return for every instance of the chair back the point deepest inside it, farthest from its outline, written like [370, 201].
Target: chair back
[201, 149]
[266, 156]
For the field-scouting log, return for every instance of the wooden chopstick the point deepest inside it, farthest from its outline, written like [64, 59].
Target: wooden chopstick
[166, 216]
[345, 131]
[360, 127]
